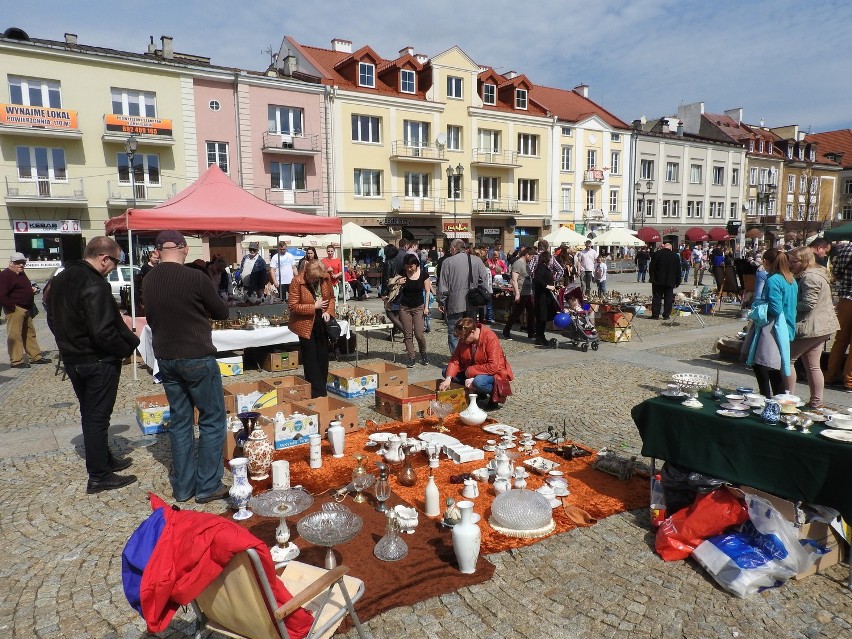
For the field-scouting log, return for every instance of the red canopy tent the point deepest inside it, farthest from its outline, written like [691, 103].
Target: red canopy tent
[213, 204]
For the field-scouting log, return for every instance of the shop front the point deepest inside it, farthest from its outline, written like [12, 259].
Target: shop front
[48, 243]
[424, 230]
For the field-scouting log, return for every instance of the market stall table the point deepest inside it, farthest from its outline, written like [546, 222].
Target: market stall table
[365, 330]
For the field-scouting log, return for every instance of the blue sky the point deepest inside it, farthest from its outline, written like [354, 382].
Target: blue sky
[783, 61]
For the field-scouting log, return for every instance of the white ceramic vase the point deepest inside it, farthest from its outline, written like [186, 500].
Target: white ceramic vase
[240, 492]
[259, 451]
[473, 415]
[466, 539]
[432, 498]
[337, 438]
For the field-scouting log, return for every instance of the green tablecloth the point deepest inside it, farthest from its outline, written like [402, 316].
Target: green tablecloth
[747, 451]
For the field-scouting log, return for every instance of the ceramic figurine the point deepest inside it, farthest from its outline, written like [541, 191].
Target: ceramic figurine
[452, 515]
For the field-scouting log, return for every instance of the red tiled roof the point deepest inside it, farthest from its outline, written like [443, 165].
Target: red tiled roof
[741, 132]
[570, 106]
[834, 142]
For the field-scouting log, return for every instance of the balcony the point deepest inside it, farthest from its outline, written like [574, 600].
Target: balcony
[121, 194]
[495, 206]
[291, 143]
[295, 200]
[45, 193]
[44, 122]
[148, 131]
[419, 204]
[593, 176]
[414, 152]
[490, 157]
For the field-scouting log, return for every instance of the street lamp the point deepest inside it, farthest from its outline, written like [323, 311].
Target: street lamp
[454, 176]
[130, 146]
[642, 195]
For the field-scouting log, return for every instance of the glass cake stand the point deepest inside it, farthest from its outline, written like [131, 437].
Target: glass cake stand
[282, 504]
[691, 383]
[332, 525]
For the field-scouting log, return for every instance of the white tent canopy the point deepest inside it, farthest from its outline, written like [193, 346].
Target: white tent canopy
[564, 235]
[618, 237]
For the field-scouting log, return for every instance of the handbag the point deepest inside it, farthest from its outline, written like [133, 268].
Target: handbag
[333, 329]
[502, 390]
[476, 295]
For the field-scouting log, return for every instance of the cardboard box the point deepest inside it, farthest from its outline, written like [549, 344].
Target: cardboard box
[388, 374]
[230, 365]
[291, 388]
[249, 396]
[614, 335]
[231, 448]
[352, 381]
[404, 403]
[826, 536]
[295, 432]
[614, 319]
[329, 409]
[150, 418]
[785, 507]
[281, 361]
[455, 394]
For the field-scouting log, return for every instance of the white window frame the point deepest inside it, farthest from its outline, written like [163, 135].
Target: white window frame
[847, 186]
[488, 188]
[367, 75]
[489, 93]
[46, 89]
[751, 146]
[615, 163]
[813, 185]
[521, 99]
[699, 214]
[528, 144]
[144, 101]
[455, 87]
[364, 135]
[416, 185]
[407, 78]
[489, 140]
[690, 209]
[217, 153]
[695, 173]
[760, 146]
[649, 208]
[790, 153]
[667, 205]
[675, 210]
[812, 155]
[615, 137]
[646, 169]
[454, 188]
[368, 183]
[718, 176]
[613, 200]
[567, 131]
[285, 120]
[415, 134]
[140, 159]
[590, 199]
[770, 148]
[791, 184]
[50, 164]
[566, 203]
[591, 159]
[752, 176]
[527, 190]
[803, 184]
[296, 171]
[672, 171]
[567, 152]
[732, 211]
[788, 213]
[454, 137]
[735, 176]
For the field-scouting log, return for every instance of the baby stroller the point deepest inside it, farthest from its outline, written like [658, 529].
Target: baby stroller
[581, 330]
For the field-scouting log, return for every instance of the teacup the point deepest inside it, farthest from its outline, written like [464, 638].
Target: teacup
[735, 399]
[480, 474]
[840, 418]
[788, 408]
[557, 483]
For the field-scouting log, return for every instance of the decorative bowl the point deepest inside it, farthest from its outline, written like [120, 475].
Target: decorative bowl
[521, 510]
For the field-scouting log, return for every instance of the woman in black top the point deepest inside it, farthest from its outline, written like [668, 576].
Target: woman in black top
[413, 307]
[543, 286]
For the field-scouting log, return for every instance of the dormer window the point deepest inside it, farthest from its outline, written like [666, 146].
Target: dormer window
[812, 155]
[760, 146]
[751, 146]
[454, 87]
[489, 93]
[407, 81]
[521, 99]
[366, 74]
[801, 153]
[770, 149]
[789, 152]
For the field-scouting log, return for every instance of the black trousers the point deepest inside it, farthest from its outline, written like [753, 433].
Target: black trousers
[661, 296]
[315, 358]
[525, 303]
[96, 387]
[769, 380]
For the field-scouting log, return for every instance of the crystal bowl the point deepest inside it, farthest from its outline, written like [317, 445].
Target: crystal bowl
[521, 510]
[330, 527]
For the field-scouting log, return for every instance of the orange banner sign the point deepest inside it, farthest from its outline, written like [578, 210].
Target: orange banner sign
[458, 227]
[137, 125]
[36, 116]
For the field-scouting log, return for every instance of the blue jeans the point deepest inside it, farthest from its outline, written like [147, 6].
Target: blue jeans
[195, 383]
[602, 287]
[482, 384]
[641, 273]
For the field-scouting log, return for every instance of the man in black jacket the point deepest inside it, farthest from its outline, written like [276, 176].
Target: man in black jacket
[665, 277]
[93, 340]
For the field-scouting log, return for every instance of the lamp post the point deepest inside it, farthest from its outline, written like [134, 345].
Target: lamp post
[642, 195]
[130, 146]
[454, 176]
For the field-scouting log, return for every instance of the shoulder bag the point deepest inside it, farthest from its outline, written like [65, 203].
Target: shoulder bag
[477, 295]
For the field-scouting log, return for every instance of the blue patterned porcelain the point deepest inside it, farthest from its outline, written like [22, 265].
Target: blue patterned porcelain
[771, 412]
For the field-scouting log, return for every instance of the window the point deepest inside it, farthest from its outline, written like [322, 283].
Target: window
[695, 174]
[672, 172]
[788, 212]
[690, 208]
[489, 94]
[800, 212]
[566, 158]
[407, 82]
[735, 177]
[41, 164]
[770, 148]
[613, 201]
[789, 153]
[454, 187]
[138, 103]
[698, 206]
[760, 146]
[801, 153]
[847, 187]
[847, 212]
[288, 177]
[590, 199]
[718, 175]
[667, 207]
[812, 155]
[366, 128]
[366, 74]
[717, 210]
[646, 169]
[146, 169]
[591, 159]
[675, 210]
[415, 134]
[615, 137]
[489, 188]
[368, 183]
[649, 208]
[34, 92]
[454, 138]
[214, 105]
[763, 176]
[752, 176]
[285, 120]
[803, 184]
[521, 99]
[814, 183]
[489, 140]
[732, 213]
[567, 131]
[454, 87]
[416, 185]
[751, 146]
[217, 153]
[527, 144]
[527, 190]
[615, 163]
[565, 204]
[791, 184]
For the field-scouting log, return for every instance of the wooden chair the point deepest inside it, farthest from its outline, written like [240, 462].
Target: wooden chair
[240, 603]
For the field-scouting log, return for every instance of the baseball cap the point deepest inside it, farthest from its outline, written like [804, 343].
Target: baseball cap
[175, 237]
[254, 245]
[17, 257]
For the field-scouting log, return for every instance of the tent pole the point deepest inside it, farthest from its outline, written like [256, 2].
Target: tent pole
[132, 296]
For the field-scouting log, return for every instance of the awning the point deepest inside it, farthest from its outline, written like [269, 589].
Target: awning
[419, 234]
[718, 234]
[696, 234]
[648, 234]
[754, 233]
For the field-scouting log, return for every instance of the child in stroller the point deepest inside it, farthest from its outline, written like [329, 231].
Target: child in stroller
[581, 330]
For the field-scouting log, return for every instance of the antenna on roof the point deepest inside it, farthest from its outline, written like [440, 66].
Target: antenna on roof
[271, 53]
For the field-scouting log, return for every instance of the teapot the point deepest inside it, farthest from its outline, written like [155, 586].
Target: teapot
[501, 485]
[394, 452]
[471, 489]
[502, 465]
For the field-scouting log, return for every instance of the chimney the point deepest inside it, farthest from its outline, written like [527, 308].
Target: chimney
[735, 114]
[679, 129]
[582, 89]
[406, 51]
[511, 75]
[421, 58]
[290, 65]
[152, 48]
[341, 46]
[71, 39]
[168, 49]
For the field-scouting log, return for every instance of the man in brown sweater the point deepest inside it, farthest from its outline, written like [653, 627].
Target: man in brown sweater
[179, 303]
[17, 297]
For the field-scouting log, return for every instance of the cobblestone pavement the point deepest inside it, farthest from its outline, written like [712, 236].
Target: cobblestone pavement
[61, 569]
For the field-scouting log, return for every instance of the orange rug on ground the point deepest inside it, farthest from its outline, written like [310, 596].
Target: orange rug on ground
[596, 492]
